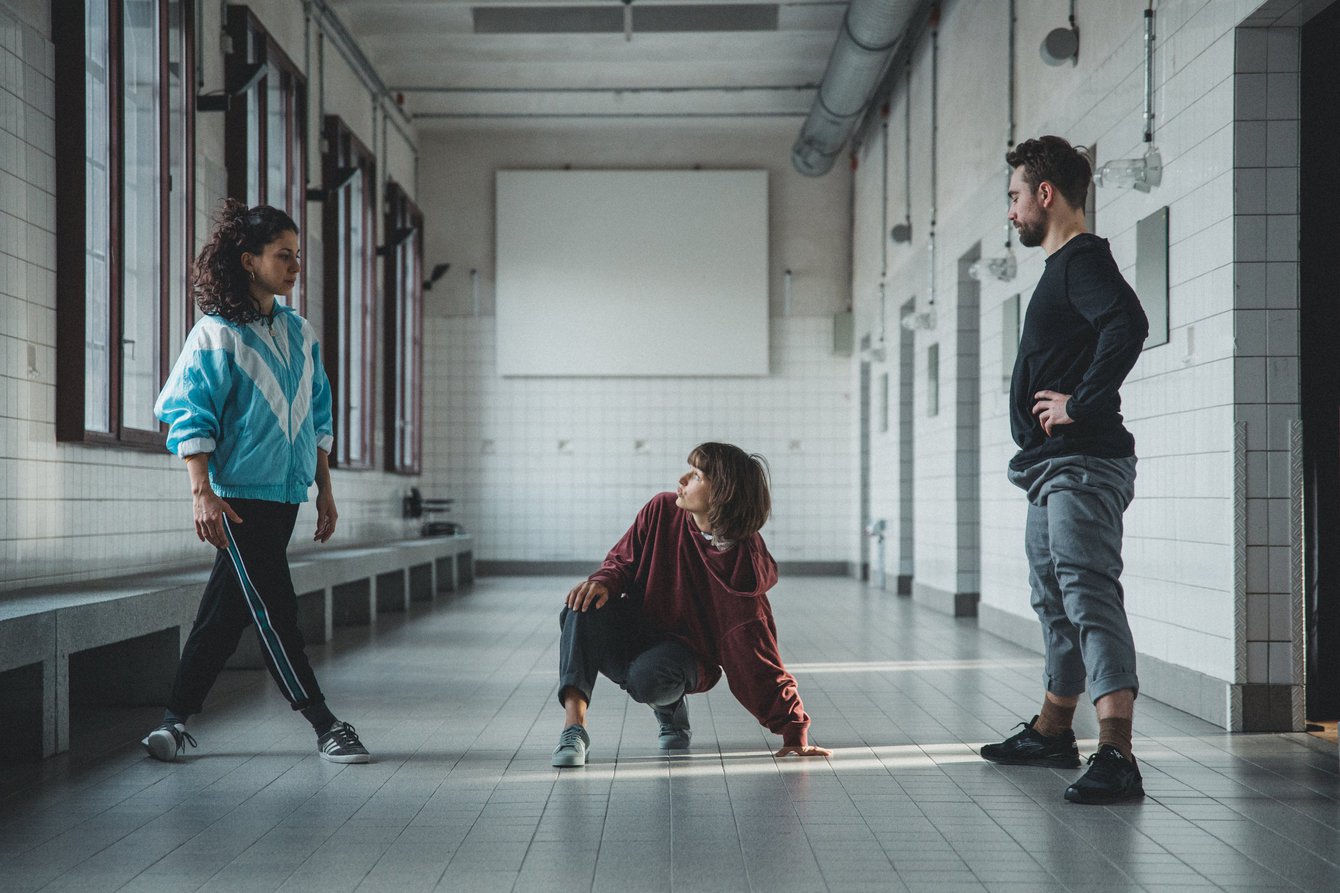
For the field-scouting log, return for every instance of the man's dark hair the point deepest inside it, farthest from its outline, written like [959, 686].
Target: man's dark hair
[1054, 160]
[737, 488]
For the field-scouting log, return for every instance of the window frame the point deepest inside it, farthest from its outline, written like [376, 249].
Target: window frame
[245, 31]
[68, 29]
[343, 150]
[403, 264]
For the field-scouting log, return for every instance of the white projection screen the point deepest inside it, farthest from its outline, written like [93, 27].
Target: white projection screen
[632, 273]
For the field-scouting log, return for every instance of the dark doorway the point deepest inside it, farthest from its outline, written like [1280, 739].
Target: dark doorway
[864, 485]
[1319, 321]
[907, 374]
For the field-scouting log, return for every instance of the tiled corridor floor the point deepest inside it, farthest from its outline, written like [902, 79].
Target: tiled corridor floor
[457, 705]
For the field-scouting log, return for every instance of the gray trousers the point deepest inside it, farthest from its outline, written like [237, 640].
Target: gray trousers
[1073, 543]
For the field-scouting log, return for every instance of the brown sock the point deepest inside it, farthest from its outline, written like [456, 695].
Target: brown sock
[1117, 732]
[1054, 719]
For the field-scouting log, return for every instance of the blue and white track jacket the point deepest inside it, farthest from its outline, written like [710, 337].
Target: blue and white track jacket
[256, 398]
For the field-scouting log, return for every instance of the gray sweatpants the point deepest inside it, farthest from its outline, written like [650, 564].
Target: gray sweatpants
[1073, 543]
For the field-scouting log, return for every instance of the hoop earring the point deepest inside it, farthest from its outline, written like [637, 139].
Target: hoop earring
[253, 275]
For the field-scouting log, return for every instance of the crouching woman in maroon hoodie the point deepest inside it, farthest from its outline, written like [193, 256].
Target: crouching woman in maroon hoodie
[682, 597]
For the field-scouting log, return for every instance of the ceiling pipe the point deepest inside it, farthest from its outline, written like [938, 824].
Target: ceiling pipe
[871, 30]
[329, 24]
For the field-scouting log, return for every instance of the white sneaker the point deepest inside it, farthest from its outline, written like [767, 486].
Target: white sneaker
[167, 741]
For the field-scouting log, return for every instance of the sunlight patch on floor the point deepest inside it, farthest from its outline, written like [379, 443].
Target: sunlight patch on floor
[898, 666]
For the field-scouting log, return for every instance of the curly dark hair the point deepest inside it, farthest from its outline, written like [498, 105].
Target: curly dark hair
[1053, 159]
[737, 488]
[222, 287]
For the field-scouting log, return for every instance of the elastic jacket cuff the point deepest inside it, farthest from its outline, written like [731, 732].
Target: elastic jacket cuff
[195, 445]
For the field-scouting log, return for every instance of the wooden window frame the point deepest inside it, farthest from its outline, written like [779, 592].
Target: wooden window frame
[68, 36]
[252, 45]
[403, 263]
[343, 153]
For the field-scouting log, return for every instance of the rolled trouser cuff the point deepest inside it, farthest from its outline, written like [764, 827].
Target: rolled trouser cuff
[1064, 688]
[573, 681]
[1099, 688]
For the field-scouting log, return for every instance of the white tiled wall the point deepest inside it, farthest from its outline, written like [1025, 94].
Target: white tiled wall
[1265, 322]
[1180, 401]
[554, 469]
[495, 443]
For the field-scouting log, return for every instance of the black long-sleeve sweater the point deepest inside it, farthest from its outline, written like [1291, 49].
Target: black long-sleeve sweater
[1083, 332]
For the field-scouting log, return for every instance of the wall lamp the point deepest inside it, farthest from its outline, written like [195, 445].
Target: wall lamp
[240, 78]
[1140, 174]
[923, 321]
[396, 239]
[1146, 171]
[342, 177]
[1002, 268]
[439, 270]
[1061, 45]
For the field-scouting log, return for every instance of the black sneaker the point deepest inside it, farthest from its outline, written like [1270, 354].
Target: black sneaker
[1031, 748]
[340, 744]
[167, 741]
[1111, 779]
[674, 720]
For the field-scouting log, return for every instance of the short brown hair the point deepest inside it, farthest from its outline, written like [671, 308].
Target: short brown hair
[1054, 160]
[737, 487]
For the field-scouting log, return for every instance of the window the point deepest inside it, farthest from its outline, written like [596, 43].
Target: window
[404, 332]
[266, 126]
[348, 175]
[125, 173]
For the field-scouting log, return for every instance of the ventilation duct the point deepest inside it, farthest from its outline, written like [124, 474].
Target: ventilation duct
[870, 31]
[685, 18]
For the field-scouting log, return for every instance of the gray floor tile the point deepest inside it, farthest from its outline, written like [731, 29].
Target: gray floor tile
[461, 795]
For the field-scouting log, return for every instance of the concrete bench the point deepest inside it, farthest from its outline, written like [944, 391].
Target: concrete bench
[350, 587]
[117, 641]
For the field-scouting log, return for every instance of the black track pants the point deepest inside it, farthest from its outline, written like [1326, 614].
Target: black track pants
[250, 585]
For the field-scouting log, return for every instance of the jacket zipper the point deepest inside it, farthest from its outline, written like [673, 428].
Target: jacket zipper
[293, 439]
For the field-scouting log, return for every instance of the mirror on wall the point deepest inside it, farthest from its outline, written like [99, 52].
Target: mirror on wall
[884, 403]
[933, 380]
[1009, 340]
[1151, 273]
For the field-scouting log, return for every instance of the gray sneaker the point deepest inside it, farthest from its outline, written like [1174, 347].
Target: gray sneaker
[572, 747]
[674, 720]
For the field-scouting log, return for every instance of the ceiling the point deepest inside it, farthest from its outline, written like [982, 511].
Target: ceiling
[473, 60]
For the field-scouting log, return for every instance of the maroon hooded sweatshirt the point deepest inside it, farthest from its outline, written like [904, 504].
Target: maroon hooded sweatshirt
[715, 603]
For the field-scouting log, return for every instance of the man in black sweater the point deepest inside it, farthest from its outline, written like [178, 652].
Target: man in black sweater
[1082, 334]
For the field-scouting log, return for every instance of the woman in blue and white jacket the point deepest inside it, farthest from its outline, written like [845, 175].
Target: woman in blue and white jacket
[248, 408]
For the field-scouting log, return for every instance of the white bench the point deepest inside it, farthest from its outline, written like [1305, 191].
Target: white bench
[119, 639]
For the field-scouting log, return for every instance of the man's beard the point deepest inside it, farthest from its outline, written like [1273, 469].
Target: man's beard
[1031, 234]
